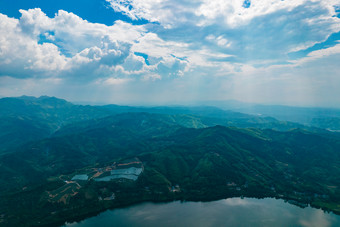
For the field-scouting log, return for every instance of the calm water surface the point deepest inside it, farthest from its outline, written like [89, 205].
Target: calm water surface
[227, 212]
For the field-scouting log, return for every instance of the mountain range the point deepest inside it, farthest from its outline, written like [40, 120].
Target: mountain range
[187, 153]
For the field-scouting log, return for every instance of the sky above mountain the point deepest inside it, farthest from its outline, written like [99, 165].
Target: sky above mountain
[172, 51]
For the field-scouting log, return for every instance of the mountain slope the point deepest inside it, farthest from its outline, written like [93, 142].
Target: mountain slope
[26, 118]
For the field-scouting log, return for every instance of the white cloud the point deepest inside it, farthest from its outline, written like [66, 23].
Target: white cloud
[114, 81]
[152, 77]
[72, 44]
[325, 52]
[21, 55]
[220, 40]
[152, 45]
[318, 54]
[233, 13]
[28, 22]
[68, 46]
[167, 12]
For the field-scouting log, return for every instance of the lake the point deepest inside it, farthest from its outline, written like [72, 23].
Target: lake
[227, 212]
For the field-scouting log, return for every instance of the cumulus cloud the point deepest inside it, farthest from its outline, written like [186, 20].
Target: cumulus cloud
[68, 46]
[21, 55]
[24, 55]
[260, 29]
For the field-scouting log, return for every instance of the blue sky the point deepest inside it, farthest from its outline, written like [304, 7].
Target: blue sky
[171, 51]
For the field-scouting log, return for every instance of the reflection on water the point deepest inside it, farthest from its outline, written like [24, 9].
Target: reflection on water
[227, 212]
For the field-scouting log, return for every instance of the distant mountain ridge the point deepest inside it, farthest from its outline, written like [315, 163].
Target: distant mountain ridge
[29, 118]
[322, 117]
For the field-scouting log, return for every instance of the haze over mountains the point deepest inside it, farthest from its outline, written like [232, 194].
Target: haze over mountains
[46, 142]
[27, 118]
[43, 116]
